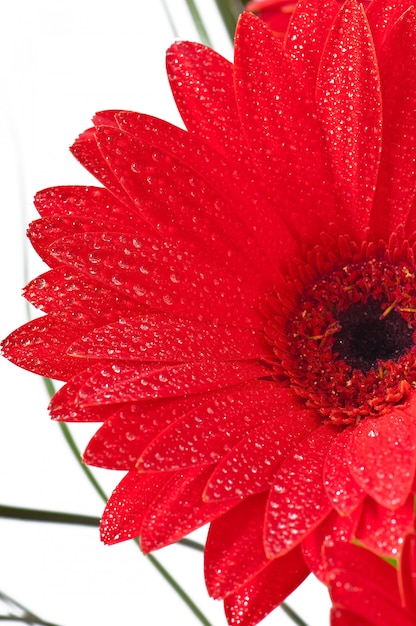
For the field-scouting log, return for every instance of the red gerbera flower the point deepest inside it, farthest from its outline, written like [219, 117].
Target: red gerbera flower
[277, 13]
[237, 303]
[368, 591]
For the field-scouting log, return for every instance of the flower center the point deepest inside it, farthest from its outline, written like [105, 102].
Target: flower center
[347, 345]
[367, 335]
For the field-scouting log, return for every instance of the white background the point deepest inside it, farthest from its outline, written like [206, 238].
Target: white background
[61, 61]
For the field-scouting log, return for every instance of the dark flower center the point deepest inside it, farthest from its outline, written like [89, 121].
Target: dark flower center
[346, 343]
[367, 335]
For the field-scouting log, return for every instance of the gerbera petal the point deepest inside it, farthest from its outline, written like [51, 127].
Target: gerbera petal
[122, 517]
[334, 528]
[227, 565]
[306, 34]
[84, 202]
[382, 457]
[161, 275]
[298, 502]
[250, 215]
[158, 184]
[113, 383]
[396, 182]
[349, 104]
[44, 232]
[264, 592]
[212, 430]
[282, 130]
[40, 346]
[74, 298]
[178, 509]
[86, 150]
[407, 573]
[365, 600]
[159, 337]
[382, 530]
[64, 405]
[342, 617]
[251, 465]
[214, 119]
[356, 560]
[126, 433]
[382, 15]
[340, 486]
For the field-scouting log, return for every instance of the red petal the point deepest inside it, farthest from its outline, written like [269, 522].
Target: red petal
[365, 585]
[44, 232]
[382, 15]
[178, 509]
[121, 440]
[383, 457]
[40, 346]
[333, 529]
[209, 432]
[282, 129]
[349, 104]
[251, 465]
[382, 530]
[163, 276]
[64, 405]
[75, 299]
[122, 517]
[306, 35]
[86, 150]
[176, 200]
[234, 549]
[343, 617]
[85, 202]
[246, 215]
[263, 593]
[340, 486]
[407, 573]
[161, 338]
[361, 598]
[298, 502]
[396, 182]
[357, 561]
[202, 84]
[121, 383]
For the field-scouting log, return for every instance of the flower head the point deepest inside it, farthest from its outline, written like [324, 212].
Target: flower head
[237, 301]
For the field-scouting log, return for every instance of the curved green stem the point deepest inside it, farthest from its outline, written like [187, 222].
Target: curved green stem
[169, 579]
[230, 11]
[296, 619]
[55, 517]
[170, 19]
[181, 593]
[27, 618]
[199, 24]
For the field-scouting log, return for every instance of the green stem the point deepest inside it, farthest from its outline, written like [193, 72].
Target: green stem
[36, 515]
[230, 12]
[170, 19]
[169, 579]
[292, 614]
[75, 450]
[179, 590]
[28, 618]
[199, 24]
[25, 620]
